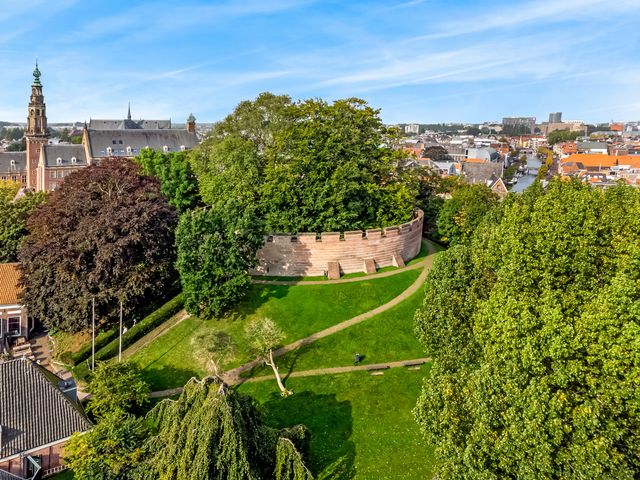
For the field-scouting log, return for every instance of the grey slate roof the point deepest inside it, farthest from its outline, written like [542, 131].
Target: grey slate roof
[127, 124]
[66, 154]
[119, 140]
[481, 172]
[20, 161]
[34, 412]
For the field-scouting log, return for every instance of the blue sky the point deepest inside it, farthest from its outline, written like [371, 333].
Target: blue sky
[416, 60]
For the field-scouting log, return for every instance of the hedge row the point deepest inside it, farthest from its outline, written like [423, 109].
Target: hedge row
[102, 339]
[140, 329]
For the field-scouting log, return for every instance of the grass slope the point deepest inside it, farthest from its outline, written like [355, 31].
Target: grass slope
[387, 337]
[300, 310]
[361, 425]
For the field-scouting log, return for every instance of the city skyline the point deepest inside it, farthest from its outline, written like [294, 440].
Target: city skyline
[418, 61]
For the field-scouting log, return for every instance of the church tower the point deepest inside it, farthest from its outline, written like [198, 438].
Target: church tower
[36, 133]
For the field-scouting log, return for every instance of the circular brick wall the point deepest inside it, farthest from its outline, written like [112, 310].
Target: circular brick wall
[311, 254]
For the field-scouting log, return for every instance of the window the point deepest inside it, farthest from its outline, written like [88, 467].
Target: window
[109, 150]
[183, 148]
[101, 152]
[120, 142]
[58, 161]
[13, 325]
[13, 163]
[73, 160]
[114, 142]
[24, 179]
[121, 152]
[53, 174]
[165, 149]
[128, 149]
[14, 178]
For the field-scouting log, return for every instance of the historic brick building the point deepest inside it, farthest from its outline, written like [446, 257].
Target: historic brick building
[43, 166]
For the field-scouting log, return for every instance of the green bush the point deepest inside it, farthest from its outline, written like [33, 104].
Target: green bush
[143, 327]
[102, 339]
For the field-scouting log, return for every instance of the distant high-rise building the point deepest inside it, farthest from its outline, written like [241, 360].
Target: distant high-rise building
[528, 122]
[555, 117]
[412, 128]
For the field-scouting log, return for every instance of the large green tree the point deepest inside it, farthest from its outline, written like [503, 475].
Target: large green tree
[177, 179]
[534, 327]
[309, 166]
[463, 212]
[215, 433]
[13, 217]
[110, 451]
[116, 386]
[106, 233]
[216, 248]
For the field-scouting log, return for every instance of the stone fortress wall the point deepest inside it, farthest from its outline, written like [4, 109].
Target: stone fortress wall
[335, 253]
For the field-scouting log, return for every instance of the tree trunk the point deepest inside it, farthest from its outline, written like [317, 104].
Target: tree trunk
[283, 391]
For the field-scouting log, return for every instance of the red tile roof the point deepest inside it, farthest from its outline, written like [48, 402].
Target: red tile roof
[9, 277]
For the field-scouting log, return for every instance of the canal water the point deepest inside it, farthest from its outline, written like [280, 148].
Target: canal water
[523, 182]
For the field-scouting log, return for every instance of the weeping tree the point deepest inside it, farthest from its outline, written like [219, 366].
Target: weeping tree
[264, 335]
[216, 433]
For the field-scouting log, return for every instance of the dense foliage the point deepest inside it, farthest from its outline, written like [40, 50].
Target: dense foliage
[216, 247]
[13, 217]
[462, 213]
[110, 451]
[116, 386]
[309, 166]
[534, 327]
[215, 433]
[107, 232]
[562, 136]
[177, 180]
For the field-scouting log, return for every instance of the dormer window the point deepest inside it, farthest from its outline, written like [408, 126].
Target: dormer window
[13, 163]
[114, 142]
[129, 150]
[109, 149]
[183, 148]
[73, 160]
[165, 149]
[58, 161]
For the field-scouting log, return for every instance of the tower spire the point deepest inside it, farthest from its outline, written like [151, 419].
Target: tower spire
[129, 112]
[36, 75]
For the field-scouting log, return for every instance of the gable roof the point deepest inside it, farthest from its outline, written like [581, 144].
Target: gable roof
[34, 410]
[119, 140]
[603, 160]
[128, 124]
[481, 172]
[9, 283]
[19, 161]
[65, 153]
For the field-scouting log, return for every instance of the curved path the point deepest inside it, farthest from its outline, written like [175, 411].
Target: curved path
[310, 373]
[233, 376]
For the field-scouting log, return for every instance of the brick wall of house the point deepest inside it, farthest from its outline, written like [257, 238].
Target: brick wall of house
[50, 457]
[309, 254]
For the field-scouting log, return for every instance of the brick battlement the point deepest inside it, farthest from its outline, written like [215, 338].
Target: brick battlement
[309, 254]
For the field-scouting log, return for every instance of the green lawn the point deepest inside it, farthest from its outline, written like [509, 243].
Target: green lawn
[387, 337]
[361, 425]
[300, 310]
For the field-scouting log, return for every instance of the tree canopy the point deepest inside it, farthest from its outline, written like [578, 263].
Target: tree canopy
[107, 232]
[213, 432]
[562, 136]
[309, 166]
[177, 179]
[116, 386]
[216, 247]
[13, 217]
[462, 213]
[534, 329]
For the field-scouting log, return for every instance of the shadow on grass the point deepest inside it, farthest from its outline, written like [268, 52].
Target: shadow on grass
[256, 296]
[164, 377]
[332, 453]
